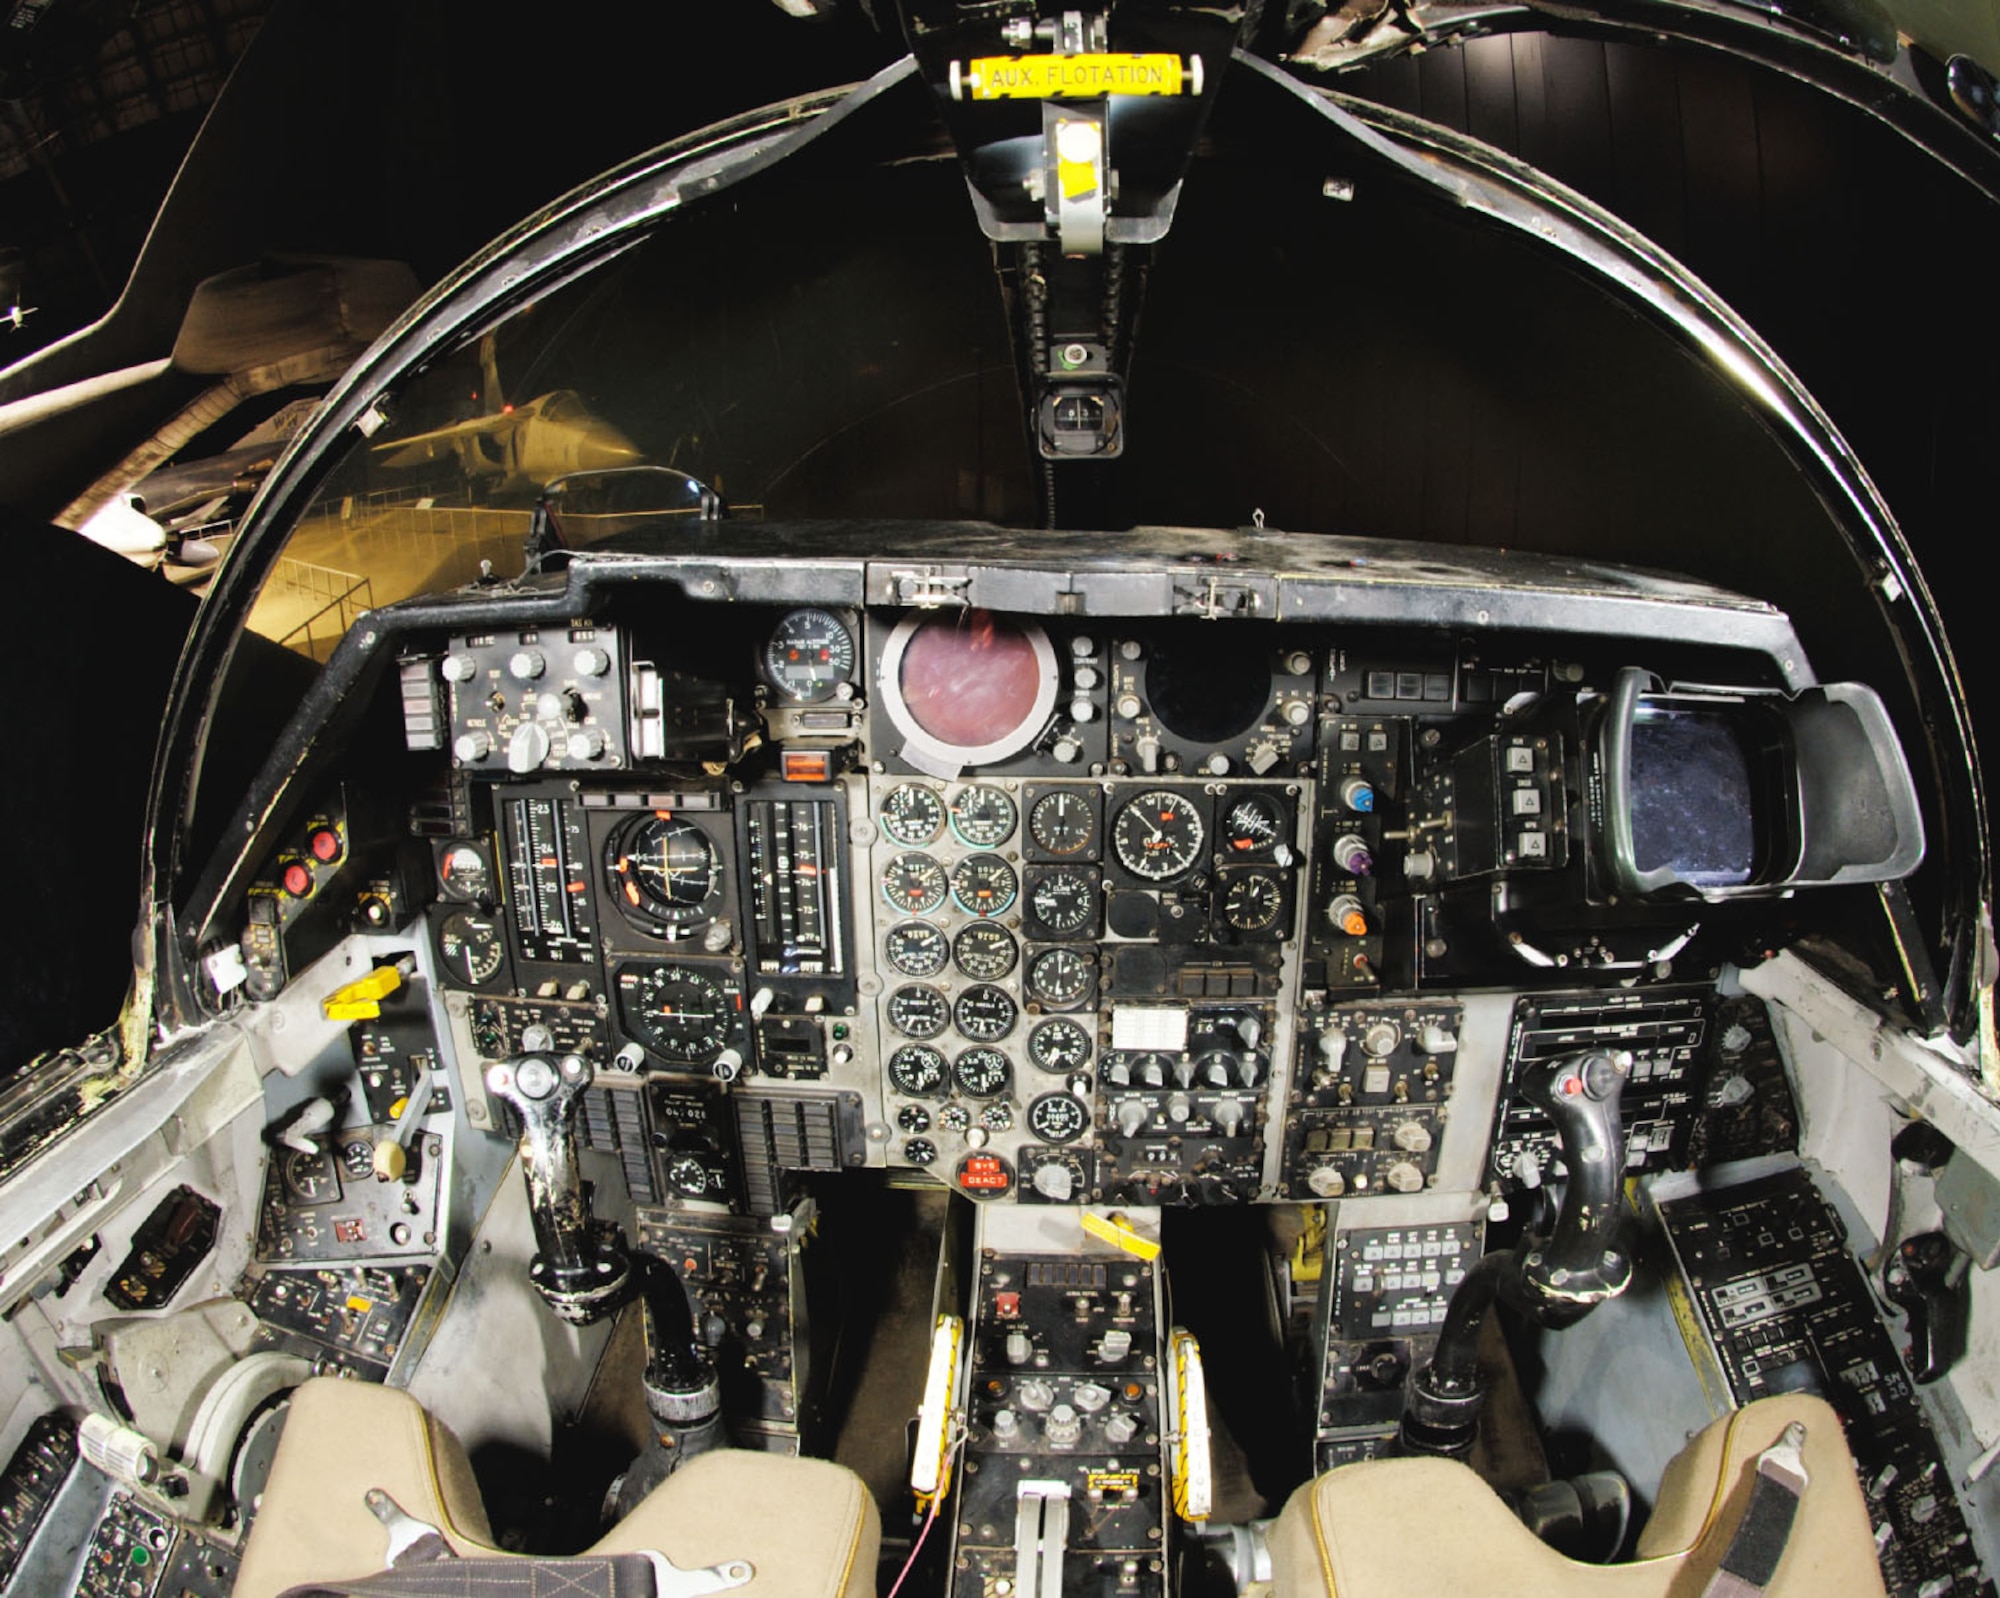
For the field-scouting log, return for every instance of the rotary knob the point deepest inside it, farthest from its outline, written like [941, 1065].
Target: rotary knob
[528, 748]
[1327, 1182]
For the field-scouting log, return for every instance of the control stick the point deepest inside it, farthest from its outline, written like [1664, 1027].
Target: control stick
[580, 1268]
[1553, 1281]
[584, 1271]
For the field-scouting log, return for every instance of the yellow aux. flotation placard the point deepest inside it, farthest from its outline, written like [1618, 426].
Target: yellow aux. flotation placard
[1071, 77]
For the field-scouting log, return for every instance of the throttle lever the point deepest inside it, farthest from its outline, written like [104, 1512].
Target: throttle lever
[1928, 1279]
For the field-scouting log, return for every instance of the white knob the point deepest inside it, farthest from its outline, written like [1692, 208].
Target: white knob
[472, 747]
[1327, 1182]
[592, 662]
[528, 748]
[460, 668]
[527, 664]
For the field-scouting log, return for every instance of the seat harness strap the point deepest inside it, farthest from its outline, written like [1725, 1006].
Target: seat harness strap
[1752, 1559]
[422, 1565]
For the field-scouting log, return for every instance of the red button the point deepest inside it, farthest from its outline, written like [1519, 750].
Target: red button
[298, 880]
[325, 845]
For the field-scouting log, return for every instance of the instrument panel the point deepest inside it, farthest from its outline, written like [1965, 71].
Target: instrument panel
[1055, 909]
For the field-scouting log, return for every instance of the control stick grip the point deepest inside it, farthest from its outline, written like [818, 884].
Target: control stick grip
[1581, 1093]
[580, 1267]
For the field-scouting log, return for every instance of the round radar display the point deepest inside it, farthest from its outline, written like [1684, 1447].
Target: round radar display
[968, 689]
[809, 656]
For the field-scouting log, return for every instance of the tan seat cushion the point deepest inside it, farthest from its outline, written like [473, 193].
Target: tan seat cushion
[808, 1527]
[1362, 1531]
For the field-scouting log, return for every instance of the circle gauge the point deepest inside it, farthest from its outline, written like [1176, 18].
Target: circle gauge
[663, 871]
[917, 1070]
[1058, 1118]
[980, 1073]
[681, 1014]
[471, 947]
[968, 689]
[1061, 977]
[918, 1012]
[1158, 835]
[983, 817]
[984, 885]
[984, 952]
[1064, 900]
[1059, 1045]
[1252, 901]
[984, 1014]
[1062, 822]
[912, 814]
[809, 655]
[916, 949]
[465, 873]
[915, 884]
[1253, 824]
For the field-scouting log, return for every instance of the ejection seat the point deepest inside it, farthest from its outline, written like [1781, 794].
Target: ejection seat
[806, 1527]
[1390, 1527]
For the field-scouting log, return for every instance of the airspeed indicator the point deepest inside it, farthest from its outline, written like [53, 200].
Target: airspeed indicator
[1159, 835]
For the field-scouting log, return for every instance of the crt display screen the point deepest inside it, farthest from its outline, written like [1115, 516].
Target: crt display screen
[970, 680]
[1691, 797]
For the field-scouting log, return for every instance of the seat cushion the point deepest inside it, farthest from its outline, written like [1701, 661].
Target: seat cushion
[808, 1527]
[1363, 1530]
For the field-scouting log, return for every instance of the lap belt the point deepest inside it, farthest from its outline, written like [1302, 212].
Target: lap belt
[422, 1565]
[1752, 1560]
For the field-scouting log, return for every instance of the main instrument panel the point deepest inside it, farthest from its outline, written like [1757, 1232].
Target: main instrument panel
[1056, 910]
